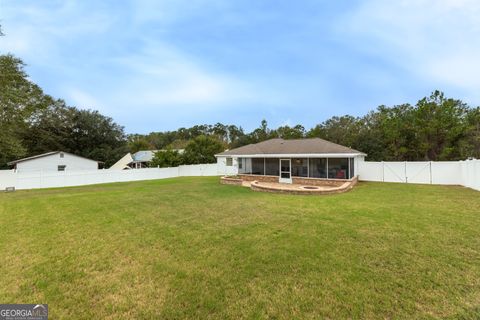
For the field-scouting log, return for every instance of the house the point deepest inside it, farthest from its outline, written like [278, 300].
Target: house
[54, 161]
[140, 159]
[123, 163]
[293, 160]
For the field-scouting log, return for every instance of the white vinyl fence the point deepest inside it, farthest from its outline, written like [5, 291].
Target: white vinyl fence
[52, 179]
[465, 173]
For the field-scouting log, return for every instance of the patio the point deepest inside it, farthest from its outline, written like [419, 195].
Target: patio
[319, 187]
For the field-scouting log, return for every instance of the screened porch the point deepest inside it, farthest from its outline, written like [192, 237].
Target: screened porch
[323, 168]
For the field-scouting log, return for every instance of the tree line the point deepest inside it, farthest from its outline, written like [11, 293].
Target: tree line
[436, 128]
[32, 122]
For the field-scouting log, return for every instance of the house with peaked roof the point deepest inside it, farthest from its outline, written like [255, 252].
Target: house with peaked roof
[54, 161]
[139, 160]
[312, 158]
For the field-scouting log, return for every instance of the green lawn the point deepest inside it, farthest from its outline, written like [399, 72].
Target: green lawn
[192, 248]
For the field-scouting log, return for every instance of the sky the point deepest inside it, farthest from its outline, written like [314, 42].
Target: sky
[164, 64]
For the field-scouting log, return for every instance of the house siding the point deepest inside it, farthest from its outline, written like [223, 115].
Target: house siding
[51, 163]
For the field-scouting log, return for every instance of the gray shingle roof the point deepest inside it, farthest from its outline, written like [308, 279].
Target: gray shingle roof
[293, 146]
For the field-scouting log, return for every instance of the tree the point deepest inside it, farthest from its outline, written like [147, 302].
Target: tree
[49, 129]
[20, 100]
[96, 136]
[166, 158]
[202, 149]
[470, 146]
[262, 133]
[440, 125]
[287, 132]
[342, 129]
[137, 143]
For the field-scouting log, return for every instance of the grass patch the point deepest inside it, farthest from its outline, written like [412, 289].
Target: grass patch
[192, 248]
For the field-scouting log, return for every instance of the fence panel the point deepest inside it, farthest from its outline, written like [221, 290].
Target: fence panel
[198, 170]
[471, 173]
[370, 171]
[53, 179]
[418, 172]
[394, 171]
[8, 178]
[466, 173]
[447, 172]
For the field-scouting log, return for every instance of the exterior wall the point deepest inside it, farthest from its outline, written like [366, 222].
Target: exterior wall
[51, 163]
[231, 181]
[254, 177]
[247, 164]
[296, 180]
[318, 181]
[223, 169]
[344, 186]
[357, 162]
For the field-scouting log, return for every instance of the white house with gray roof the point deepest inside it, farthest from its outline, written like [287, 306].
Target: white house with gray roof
[306, 158]
[54, 161]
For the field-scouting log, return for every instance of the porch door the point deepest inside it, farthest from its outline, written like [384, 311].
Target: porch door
[285, 171]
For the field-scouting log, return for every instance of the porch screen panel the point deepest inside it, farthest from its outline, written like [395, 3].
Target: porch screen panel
[272, 166]
[318, 168]
[241, 165]
[258, 166]
[338, 168]
[300, 167]
[352, 168]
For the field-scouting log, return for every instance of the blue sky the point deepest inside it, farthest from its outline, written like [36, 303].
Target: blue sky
[160, 65]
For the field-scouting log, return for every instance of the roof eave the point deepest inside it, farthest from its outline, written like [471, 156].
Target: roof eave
[293, 155]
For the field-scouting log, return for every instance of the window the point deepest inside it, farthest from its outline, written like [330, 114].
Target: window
[338, 168]
[318, 168]
[229, 162]
[240, 163]
[62, 155]
[300, 167]
[258, 166]
[61, 168]
[272, 166]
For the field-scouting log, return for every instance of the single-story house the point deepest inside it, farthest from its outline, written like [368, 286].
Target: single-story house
[54, 161]
[287, 160]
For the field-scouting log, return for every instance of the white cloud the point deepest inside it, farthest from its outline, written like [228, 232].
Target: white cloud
[82, 99]
[437, 40]
[119, 70]
[162, 75]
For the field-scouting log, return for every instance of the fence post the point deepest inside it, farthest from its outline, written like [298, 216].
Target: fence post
[406, 178]
[431, 178]
[383, 171]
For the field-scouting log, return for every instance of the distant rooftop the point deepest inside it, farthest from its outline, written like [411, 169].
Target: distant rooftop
[147, 155]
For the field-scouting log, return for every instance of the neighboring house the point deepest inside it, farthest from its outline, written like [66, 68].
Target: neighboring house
[140, 159]
[123, 163]
[54, 161]
[308, 158]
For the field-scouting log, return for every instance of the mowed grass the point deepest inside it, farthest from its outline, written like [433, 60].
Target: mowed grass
[192, 248]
